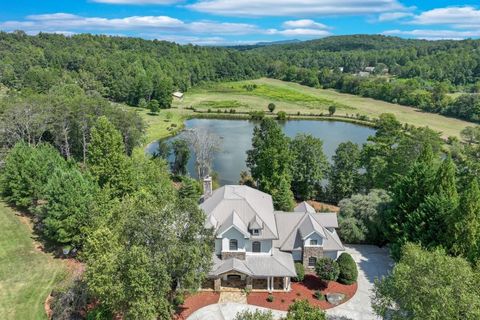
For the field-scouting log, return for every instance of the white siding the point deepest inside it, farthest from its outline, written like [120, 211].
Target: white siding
[233, 233]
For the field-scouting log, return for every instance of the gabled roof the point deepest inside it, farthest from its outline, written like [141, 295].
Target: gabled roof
[279, 264]
[233, 221]
[294, 227]
[233, 264]
[304, 207]
[256, 223]
[308, 226]
[249, 204]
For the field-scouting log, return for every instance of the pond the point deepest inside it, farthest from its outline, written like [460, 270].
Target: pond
[236, 138]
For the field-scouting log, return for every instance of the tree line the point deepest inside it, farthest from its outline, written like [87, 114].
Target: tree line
[144, 73]
[143, 241]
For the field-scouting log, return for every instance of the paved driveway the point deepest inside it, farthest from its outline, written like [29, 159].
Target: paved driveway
[372, 262]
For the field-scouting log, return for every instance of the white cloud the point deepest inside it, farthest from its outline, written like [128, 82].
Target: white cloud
[137, 2]
[258, 8]
[300, 32]
[148, 25]
[75, 23]
[457, 17]
[392, 16]
[434, 34]
[304, 24]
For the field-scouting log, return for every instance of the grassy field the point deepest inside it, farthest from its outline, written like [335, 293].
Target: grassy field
[255, 95]
[27, 275]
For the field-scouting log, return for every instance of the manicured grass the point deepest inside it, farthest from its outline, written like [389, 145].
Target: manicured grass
[27, 275]
[255, 95]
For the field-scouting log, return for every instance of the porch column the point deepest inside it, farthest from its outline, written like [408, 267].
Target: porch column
[285, 283]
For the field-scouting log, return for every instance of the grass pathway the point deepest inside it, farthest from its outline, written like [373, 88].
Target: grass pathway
[27, 275]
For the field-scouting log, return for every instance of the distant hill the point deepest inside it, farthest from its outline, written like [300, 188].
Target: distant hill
[269, 43]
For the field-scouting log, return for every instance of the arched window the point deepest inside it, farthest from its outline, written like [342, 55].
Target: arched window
[256, 246]
[312, 261]
[233, 245]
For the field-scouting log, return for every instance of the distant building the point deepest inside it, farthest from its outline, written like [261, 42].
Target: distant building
[178, 95]
[370, 69]
[363, 74]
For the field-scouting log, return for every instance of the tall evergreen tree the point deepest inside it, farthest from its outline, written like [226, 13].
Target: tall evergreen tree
[433, 217]
[466, 228]
[344, 174]
[309, 165]
[407, 196]
[107, 161]
[68, 198]
[270, 161]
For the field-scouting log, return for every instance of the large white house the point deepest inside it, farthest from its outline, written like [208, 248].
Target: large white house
[255, 246]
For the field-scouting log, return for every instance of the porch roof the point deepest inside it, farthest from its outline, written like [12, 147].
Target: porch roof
[280, 264]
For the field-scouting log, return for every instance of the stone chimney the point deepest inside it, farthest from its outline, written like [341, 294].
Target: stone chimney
[207, 187]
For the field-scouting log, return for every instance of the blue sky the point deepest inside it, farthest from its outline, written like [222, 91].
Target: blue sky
[220, 22]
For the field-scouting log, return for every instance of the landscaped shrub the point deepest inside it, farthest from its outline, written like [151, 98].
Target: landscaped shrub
[300, 272]
[327, 269]
[348, 269]
[254, 315]
[270, 298]
[319, 295]
[282, 115]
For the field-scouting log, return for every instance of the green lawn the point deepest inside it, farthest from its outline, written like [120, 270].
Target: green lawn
[255, 95]
[27, 276]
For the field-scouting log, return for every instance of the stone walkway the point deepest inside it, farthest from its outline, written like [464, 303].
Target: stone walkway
[233, 296]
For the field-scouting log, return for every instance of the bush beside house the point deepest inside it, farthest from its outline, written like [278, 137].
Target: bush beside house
[300, 269]
[348, 269]
[327, 269]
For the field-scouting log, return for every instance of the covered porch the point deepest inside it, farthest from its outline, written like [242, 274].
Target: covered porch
[239, 282]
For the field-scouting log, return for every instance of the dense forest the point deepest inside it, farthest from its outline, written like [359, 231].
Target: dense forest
[134, 71]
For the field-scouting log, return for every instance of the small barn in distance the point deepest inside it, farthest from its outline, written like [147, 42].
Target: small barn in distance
[178, 95]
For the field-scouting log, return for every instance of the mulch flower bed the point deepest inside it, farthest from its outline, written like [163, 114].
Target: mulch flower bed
[301, 291]
[196, 301]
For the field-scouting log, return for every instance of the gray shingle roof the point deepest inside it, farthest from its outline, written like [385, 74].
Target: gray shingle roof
[280, 264]
[247, 203]
[304, 207]
[293, 227]
[233, 220]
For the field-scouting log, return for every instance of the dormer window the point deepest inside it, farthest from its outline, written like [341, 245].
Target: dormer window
[255, 232]
[233, 245]
[313, 242]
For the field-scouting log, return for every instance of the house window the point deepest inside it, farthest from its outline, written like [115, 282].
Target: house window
[313, 242]
[233, 245]
[256, 246]
[312, 261]
[255, 232]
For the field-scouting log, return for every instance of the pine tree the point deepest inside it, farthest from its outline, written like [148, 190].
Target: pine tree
[344, 175]
[68, 198]
[408, 194]
[106, 158]
[466, 229]
[434, 216]
[282, 196]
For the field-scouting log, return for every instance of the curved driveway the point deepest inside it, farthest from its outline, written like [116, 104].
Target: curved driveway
[373, 262]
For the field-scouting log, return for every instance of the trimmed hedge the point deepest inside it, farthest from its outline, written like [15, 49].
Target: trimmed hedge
[348, 269]
[327, 269]
[300, 272]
